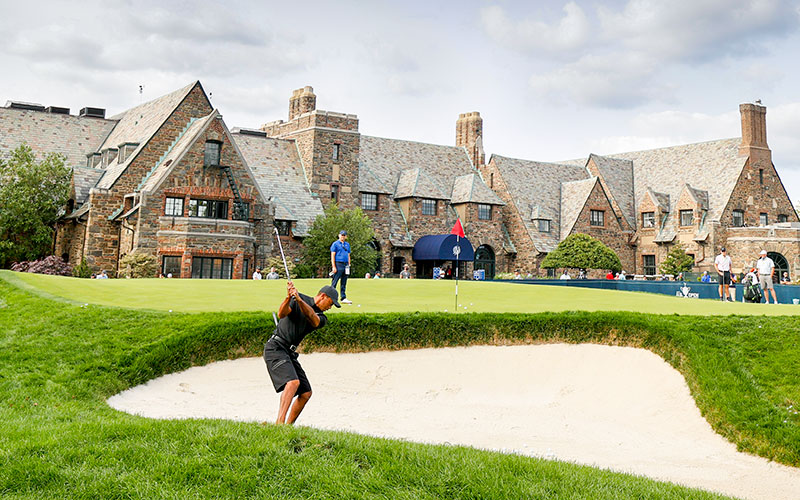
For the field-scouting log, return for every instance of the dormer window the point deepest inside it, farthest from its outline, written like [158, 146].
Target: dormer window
[648, 220]
[428, 207]
[109, 155]
[125, 150]
[544, 225]
[484, 212]
[687, 217]
[212, 154]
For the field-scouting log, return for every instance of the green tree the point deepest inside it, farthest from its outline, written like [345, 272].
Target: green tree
[32, 194]
[581, 251]
[325, 231]
[677, 261]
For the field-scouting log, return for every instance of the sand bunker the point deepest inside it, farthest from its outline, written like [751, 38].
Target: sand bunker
[618, 408]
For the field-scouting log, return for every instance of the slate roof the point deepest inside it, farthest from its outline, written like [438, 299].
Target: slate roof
[618, 176]
[573, 198]
[84, 179]
[535, 188]
[701, 196]
[382, 161]
[138, 125]
[72, 136]
[712, 166]
[279, 173]
[470, 188]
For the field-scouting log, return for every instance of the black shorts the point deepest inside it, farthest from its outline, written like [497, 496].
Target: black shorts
[283, 367]
[726, 278]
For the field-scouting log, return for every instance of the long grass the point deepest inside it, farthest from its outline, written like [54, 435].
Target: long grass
[59, 361]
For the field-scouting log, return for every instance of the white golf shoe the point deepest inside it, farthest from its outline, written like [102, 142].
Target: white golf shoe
[346, 301]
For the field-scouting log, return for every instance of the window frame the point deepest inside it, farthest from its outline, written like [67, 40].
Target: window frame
[783, 218]
[540, 223]
[484, 211]
[337, 151]
[646, 266]
[372, 206]
[173, 259]
[335, 191]
[427, 202]
[206, 162]
[216, 267]
[167, 206]
[736, 213]
[216, 204]
[682, 213]
[648, 216]
[283, 226]
[763, 219]
[593, 220]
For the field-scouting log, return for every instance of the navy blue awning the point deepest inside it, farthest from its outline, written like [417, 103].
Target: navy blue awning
[440, 247]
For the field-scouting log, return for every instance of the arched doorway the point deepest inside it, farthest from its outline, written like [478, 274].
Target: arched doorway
[377, 247]
[781, 266]
[484, 259]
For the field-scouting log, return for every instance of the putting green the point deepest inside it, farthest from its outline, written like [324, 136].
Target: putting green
[372, 296]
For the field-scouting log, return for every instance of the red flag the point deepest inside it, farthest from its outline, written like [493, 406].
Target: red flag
[457, 229]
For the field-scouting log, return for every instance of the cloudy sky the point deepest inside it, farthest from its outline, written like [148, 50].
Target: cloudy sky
[552, 80]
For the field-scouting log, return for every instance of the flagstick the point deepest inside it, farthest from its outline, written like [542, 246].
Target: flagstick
[458, 238]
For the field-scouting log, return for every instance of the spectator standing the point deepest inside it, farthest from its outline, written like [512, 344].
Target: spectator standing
[340, 263]
[517, 275]
[766, 269]
[257, 274]
[581, 274]
[723, 266]
[273, 275]
[706, 278]
[405, 274]
[622, 276]
[565, 275]
[610, 275]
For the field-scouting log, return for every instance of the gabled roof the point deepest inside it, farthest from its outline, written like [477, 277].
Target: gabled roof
[713, 166]
[700, 196]
[84, 179]
[276, 167]
[618, 176]
[416, 182]
[384, 160]
[471, 189]
[138, 125]
[73, 136]
[538, 184]
[660, 200]
[185, 139]
[573, 198]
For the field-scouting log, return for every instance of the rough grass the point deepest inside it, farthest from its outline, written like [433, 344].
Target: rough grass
[59, 361]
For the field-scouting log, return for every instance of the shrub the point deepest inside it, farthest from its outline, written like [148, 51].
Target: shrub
[277, 263]
[304, 270]
[49, 265]
[82, 270]
[581, 251]
[138, 265]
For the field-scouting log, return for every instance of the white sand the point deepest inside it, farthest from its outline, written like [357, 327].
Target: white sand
[618, 408]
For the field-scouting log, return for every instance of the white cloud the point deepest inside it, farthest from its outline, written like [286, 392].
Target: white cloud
[569, 33]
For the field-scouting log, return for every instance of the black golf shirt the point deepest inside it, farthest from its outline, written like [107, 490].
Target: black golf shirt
[294, 327]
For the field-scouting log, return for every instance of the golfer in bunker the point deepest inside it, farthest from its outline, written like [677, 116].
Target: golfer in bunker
[299, 315]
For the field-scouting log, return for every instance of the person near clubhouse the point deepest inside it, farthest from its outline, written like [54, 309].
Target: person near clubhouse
[723, 266]
[766, 270]
[299, 315]
[340, 264]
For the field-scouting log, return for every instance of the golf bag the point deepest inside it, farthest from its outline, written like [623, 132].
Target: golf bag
[752, 292]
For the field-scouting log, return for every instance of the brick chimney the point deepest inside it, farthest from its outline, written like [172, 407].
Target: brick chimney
[754, 128]
[469, 135]
[302, 101]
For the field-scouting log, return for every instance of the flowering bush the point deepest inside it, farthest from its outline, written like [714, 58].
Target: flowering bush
[49, 265]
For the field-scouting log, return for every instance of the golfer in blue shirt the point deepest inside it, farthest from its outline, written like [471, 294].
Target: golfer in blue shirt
[340, 263]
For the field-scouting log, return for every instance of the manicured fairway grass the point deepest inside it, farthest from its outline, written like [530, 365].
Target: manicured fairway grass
[59, 362]
[374, 296]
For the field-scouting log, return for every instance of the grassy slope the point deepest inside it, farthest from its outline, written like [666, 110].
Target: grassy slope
[373, 296]
[59, 361]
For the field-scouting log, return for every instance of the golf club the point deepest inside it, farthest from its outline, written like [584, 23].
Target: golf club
[285, 267]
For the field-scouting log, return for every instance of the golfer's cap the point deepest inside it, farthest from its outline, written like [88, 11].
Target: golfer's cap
[763, 252]
[343, 232]
[722, 249]
[332, 293]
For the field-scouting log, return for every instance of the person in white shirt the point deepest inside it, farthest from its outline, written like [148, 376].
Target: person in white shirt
[565, 275]
[622, 276]
[257, 274]
[766, 268]
[272, 274]
[723, 266]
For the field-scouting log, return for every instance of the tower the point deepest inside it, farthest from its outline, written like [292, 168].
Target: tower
[469, 135]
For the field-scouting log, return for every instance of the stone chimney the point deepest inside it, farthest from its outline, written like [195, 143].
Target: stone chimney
[469, 135]
[302, 101]
[754, 128]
